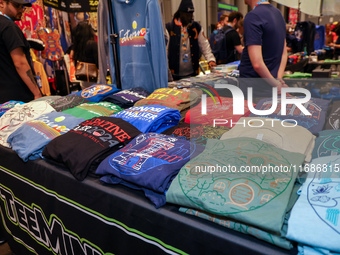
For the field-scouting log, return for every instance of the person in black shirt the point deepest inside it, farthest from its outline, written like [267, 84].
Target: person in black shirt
[17, 80]
[233, 39]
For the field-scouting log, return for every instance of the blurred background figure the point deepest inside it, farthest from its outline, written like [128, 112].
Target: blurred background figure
[84, 47]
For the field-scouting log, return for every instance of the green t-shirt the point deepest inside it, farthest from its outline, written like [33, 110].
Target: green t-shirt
[213, 182]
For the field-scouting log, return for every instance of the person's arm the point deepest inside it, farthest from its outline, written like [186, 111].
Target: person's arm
[283, 62]
[25, 71]
[255, 55]
[239, 48]
[206, 49]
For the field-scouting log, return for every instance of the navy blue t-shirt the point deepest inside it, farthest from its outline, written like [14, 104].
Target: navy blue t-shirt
[263, 26]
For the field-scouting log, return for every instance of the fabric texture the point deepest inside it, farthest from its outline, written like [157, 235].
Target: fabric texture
[29, 140]
[18, 115]
[8, 105]
[314, 220]
[153, 118]
[289, 137]
[83, 148]
[263, 26]
[314, 122]
[241, 194]
[327, 143]
[215, 111]
[68, 102]
[91, 110]
[12, 86]
[150, 161]
[128, 97]
[97, 92]
[141, 45]
[333, 120]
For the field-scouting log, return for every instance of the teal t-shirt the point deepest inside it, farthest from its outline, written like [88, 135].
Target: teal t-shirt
[229, 179]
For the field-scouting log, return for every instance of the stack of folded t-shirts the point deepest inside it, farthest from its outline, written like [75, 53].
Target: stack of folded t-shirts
[91, 110]
[128, 97]
[288, 137]
[243, 179]
[67, 102]
[333, 118]
[327, 144]
[216, 113]
[314, 122]
[314, 221]
[148, 163]
[19, 114]
[97, 92]
[8, 105]
[180, 99]
[83, 148]
[278, 240]
[29, 140]
[196, 133]
[150, 118]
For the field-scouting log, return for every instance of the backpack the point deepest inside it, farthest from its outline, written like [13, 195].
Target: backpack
[218, 44]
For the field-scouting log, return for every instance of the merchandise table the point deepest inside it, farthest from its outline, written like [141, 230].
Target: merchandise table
[45, 210]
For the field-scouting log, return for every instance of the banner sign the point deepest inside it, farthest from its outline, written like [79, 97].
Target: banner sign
[73, 5]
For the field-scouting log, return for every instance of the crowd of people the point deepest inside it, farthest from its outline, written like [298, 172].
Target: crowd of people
[260, 40]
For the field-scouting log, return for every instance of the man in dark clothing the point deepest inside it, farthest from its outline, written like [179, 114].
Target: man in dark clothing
[17, 80]
[233, 39]
[186, 43]
[265, 52]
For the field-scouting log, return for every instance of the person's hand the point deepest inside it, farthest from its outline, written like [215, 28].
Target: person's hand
[37, 96]
[281, 84]
[212, 64]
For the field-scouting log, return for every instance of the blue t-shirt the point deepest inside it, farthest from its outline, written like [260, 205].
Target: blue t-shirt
[150, 118]
[263, 26]
[149, 162]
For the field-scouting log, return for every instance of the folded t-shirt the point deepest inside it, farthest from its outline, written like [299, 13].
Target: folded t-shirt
[288, 137]
[314, 220]
[196, 133]
[91, 110]
[83, 148]
[97, 92]
[149, 161]
[128, 97]
[314, 122]
[327, 144]
[244, 179]
[67, 102]
[29, 140]
[8, 105]
[150, 118]
[19, 114]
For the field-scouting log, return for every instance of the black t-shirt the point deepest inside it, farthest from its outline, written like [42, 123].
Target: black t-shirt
[232, 39]
[12, 87]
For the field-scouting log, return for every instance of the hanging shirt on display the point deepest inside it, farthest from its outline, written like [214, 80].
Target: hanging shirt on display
[141, 44]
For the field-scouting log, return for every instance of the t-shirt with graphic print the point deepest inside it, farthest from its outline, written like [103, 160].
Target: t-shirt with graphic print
[86, 145]
[128, 97]
[29, 140]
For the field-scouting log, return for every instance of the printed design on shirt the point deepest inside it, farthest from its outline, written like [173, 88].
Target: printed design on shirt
[15, 117]
[48, 129]
[307, 121]
[230, 192]
[147, 152]
[133, 36]
[102, 132]
[143, 113]
[323, 195]
[329, 146]
[95, 90]
[243, 228]
[101, 109]
[167, 97]
[334, 119]
[68, 102]
[130, 96]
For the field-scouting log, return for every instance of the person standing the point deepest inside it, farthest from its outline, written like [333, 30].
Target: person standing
[84, 48]
[17, 81]
[233, 39]
[265, 53]
[186, 43]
